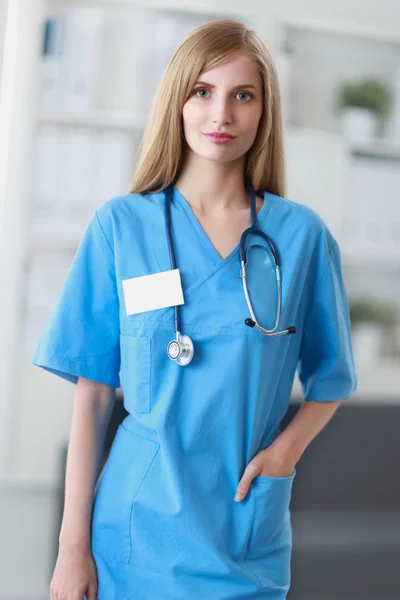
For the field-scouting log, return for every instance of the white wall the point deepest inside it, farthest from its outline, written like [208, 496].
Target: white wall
[371, 14]
[3, 9]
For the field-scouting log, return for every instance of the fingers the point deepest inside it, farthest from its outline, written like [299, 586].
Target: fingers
[251, 471]
[91, 592]
[61, 593]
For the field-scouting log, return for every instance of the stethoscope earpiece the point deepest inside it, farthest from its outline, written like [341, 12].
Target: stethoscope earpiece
[249, 322]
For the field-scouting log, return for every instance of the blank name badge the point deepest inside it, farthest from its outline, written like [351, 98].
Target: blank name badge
[150, 292]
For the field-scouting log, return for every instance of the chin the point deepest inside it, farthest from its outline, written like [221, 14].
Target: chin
[219, 157]
[219, 153]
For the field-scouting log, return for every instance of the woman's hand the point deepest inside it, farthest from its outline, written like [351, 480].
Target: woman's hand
[269, 461]
[74, 575]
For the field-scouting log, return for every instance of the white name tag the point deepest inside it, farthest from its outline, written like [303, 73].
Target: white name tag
[150, 292]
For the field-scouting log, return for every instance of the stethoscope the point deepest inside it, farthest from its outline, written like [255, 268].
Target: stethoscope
[181, 349]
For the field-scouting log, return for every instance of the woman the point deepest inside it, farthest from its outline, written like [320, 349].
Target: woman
[194, 499]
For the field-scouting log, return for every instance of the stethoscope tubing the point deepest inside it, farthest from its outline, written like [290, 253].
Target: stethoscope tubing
[181, 349]
[171, 250]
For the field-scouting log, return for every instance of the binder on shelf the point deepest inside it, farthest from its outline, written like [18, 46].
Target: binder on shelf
[371, 212]
[51, 67]
[164, 29]
[70, 60]
[77, 170]
[78, 148]
[45, 276]
[60, 188]
[83, 31]
[112, 166]
[49, 145]
[126, 59]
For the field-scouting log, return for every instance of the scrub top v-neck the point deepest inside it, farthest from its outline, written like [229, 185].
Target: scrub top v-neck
[165, 525]
[197, 258]
[207, 243]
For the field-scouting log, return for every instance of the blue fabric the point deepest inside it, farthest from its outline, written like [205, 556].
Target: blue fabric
[165, 525]
[81, 337]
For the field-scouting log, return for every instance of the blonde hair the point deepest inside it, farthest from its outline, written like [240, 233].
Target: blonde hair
[161, 150]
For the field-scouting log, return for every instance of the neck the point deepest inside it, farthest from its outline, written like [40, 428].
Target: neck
[211, 186]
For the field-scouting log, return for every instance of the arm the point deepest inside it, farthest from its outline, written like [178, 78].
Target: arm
[93, 405]
[309, 420]
[326, 365]
[326, 370]
[280, 458]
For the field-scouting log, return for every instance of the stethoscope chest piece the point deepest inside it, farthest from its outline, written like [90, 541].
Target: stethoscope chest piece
[181, 350]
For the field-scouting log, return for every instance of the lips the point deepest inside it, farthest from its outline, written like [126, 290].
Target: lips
[220, 138]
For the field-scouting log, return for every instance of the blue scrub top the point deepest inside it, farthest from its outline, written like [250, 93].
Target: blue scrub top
[165, 525]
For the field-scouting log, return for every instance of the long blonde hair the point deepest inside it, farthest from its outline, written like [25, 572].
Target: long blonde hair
[161, 150]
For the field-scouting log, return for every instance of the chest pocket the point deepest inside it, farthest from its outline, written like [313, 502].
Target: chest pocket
[136, 370]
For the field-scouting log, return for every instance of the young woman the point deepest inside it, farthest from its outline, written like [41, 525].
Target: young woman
[208, 325]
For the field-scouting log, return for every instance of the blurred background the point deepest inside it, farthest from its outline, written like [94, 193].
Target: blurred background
[77, 79]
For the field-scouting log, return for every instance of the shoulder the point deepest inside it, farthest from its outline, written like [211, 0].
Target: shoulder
[132, 209]
[300, 219]
[118, 206]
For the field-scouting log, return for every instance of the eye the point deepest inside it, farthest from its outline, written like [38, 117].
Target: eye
[245, 93]
[200, 90]
[196, 92]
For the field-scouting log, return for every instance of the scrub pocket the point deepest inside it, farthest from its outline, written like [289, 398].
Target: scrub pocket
[269, 548]
[128, 463]
[136, 372]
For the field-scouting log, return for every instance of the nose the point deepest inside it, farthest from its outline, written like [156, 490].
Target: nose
[222, 113]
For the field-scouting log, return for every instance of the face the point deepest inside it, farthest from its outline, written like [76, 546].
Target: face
[225, 99]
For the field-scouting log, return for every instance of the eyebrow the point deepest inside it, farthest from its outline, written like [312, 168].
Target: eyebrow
[243, 85]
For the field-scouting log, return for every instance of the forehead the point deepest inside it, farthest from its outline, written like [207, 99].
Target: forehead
[239, 69]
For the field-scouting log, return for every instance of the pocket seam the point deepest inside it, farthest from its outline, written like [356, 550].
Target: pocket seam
[247, 546]
[138, 435]
[268, 478]
[134, 497]
[124, 542]
[257, 495]
[145, 360]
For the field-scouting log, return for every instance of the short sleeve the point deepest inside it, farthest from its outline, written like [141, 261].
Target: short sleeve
[326, 364]
[81, 336]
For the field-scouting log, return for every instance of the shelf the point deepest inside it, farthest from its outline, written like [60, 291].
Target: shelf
[51, 235]
[342, 28]
[378, 148]
[387, 261]
[94, 119]
[182, 8]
